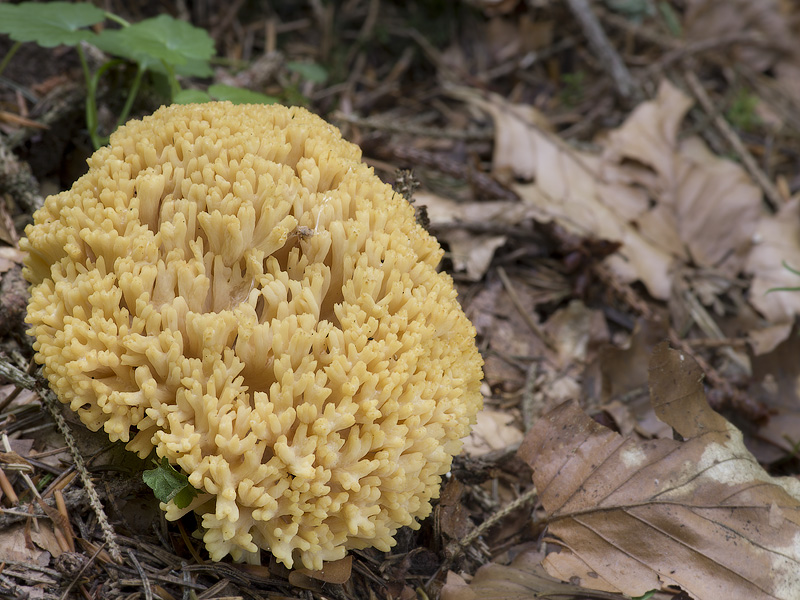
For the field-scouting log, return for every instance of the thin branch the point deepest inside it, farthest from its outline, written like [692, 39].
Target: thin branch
[51, 403]
[773, 196]
[626, 87]
[515, 300]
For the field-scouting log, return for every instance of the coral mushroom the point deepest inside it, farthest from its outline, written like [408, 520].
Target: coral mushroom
[232, 287]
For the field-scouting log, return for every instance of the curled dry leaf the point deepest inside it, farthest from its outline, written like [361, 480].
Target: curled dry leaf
[569, 188]
[706, 208]
[667, 201]
[14, 547]
[634, 516]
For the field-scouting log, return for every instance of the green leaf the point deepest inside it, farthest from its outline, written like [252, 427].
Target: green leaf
[671, 19]
[309, 70]
[168, 484]
[161, 38]
[50, 24]
[239, 95]
[191, 97]
[193, 67]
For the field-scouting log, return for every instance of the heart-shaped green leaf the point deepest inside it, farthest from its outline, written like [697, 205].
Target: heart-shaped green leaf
[168, 484]
[162, 38]
[50, 24]
[309, 70]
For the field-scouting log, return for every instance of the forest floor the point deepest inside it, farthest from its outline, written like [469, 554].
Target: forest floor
[615, 184]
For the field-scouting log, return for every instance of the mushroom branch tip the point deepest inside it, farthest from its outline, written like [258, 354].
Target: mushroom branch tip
[231, 287]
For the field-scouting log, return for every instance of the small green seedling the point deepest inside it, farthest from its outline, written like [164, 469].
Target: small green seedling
[742, 111]
[168, 484]
[573, 91]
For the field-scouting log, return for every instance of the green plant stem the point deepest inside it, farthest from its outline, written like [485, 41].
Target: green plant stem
[126, 110]
[174, 86]
[117, 19]
[9, 55]
[91, 99]
[91, 93]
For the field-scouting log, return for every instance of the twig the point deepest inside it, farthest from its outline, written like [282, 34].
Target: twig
[51, 403]
[148, 591]
[609, 57]
[11, 373]
[58, 104]
[709, 326]
[523, 64]
[64, 523]
[625, 292]
[187, 581]
[496, 518]
[701, 46]
[8, 489]
[773, 196]
[9, 589]
[473, 535]
[512, 294]
[394, 126]
[717, 343]
[23, 474]
[23, 381]
[79, 573]
[483, 184]
[9, 516]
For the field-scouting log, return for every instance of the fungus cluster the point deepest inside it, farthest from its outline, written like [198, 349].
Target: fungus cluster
[232, 287]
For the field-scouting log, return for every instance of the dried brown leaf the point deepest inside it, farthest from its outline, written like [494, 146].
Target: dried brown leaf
[494, 430]
[335, 571]
[471, 251]
[9, 258]
[776, 377]
[666, 201]
[706, 207]
[524, 579]
[778, 243]
[13, 546]
[451, 513]
[710, 19]
[633, 516]
[577, 332]
[8, 232]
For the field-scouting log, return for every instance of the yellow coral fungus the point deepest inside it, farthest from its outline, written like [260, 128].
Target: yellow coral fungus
[232, 287]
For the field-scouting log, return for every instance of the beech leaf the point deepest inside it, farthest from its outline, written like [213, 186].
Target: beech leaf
[630, 516]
